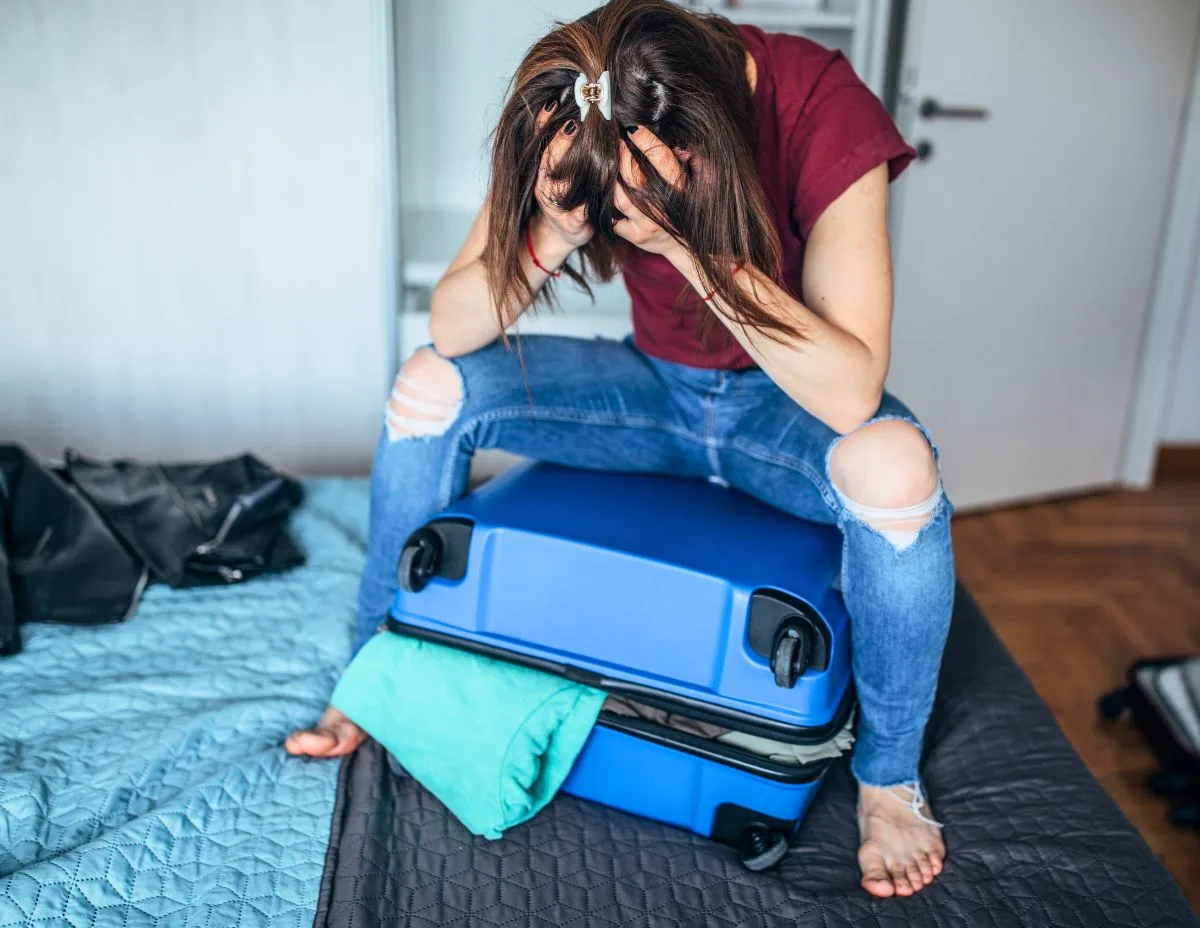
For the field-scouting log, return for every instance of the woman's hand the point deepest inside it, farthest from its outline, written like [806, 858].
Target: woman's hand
[637, 228]
[556, 232]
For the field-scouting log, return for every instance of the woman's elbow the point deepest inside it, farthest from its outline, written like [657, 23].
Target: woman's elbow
[440, 337]
[446, 337]
[857, 410]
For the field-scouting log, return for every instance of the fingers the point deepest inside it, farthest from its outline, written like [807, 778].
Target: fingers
[545, 113]
[635, 228]
[658, 153]
[623, 204]
[630, 170]
[557, 147]
[638, 228]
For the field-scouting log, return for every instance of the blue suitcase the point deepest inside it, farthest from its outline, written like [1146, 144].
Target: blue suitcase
[676, 594]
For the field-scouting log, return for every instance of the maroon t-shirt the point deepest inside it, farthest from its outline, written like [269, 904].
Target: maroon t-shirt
[819, 130]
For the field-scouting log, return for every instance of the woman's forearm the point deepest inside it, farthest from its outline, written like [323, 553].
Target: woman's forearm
[829, 372]
[463, 316]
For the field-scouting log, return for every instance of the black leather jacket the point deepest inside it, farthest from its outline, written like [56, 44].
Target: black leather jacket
[79, 543]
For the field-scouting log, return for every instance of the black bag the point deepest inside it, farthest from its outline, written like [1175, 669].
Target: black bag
[1163, 696]
[79, 543]
[59, 561]
[195, 524]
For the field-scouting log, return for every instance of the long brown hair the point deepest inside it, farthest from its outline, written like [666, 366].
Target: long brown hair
[683, 76]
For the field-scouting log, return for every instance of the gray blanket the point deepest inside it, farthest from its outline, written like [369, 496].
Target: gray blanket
[1033, 840]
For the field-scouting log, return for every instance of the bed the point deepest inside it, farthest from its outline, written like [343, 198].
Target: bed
[142, 782]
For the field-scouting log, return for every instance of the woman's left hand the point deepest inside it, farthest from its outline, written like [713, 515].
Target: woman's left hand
[637, 228]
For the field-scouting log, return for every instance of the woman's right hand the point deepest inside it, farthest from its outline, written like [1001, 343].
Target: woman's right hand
[557, 231]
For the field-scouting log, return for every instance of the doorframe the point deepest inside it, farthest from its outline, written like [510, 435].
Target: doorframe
[1174, 282]
[909, 16]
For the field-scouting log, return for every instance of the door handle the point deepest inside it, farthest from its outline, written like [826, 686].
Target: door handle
[931, 109]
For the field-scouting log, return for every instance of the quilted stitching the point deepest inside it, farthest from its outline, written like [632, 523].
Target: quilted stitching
[1033, 841]
[142, 780]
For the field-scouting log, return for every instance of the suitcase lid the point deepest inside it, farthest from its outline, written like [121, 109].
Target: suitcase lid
[637, 584]
[692, 523]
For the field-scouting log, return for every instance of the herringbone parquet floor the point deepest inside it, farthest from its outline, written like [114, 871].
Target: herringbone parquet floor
[1077, 589]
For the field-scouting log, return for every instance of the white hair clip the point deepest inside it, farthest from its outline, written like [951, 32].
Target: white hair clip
[599, 93]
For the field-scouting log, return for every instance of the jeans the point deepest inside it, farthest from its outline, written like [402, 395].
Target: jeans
[603, 404]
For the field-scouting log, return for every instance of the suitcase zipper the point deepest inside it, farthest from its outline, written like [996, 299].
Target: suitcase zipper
[732, 718]
[715, 751]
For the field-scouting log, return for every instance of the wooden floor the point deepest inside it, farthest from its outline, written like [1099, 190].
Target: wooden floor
[1079, 588]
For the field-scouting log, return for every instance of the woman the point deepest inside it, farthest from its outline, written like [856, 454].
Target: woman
[738, 180]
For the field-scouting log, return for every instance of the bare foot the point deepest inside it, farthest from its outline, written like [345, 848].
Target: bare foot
[334, 735]
[899, 854]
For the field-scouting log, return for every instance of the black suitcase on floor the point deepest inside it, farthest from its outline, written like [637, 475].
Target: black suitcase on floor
[1163, 696]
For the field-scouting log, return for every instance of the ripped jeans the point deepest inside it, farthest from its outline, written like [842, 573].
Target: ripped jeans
[604, 404]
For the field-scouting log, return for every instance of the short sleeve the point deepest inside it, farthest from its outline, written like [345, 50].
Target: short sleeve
[843, 131]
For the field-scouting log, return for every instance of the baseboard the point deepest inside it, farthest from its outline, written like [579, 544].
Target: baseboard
[1177, 463]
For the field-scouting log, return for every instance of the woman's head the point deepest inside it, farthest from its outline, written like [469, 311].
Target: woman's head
[682, 76]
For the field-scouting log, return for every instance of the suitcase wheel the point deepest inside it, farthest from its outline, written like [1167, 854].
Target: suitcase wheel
[1112, 706]
[761, 847]
[790, 656]
[419, 561]
[1171, 783]
[1185, 814]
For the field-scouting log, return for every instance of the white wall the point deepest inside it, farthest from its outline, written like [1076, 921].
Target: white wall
[1183, 417]
[195, 245]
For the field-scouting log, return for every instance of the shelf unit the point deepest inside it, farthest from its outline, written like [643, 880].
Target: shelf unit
[858, 28]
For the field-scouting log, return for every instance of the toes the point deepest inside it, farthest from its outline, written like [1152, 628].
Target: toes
[312, 742]
[926, 869]
[935, 863]
[875, 879]
[878, 883]
[347, 742]
[900, 881]
[915, 878]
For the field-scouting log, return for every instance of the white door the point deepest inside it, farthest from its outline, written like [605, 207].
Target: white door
[1027, 239]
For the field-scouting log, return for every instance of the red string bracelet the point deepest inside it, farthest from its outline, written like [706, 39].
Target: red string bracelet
[533, 256]
[711, 293]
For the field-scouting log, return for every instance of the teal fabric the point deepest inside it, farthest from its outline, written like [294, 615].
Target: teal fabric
[493, 741]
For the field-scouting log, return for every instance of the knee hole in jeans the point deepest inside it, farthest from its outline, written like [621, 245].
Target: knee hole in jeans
[426, 397]
[888, 477]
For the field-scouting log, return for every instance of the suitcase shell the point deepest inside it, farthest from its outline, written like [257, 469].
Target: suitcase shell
[675, 593]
